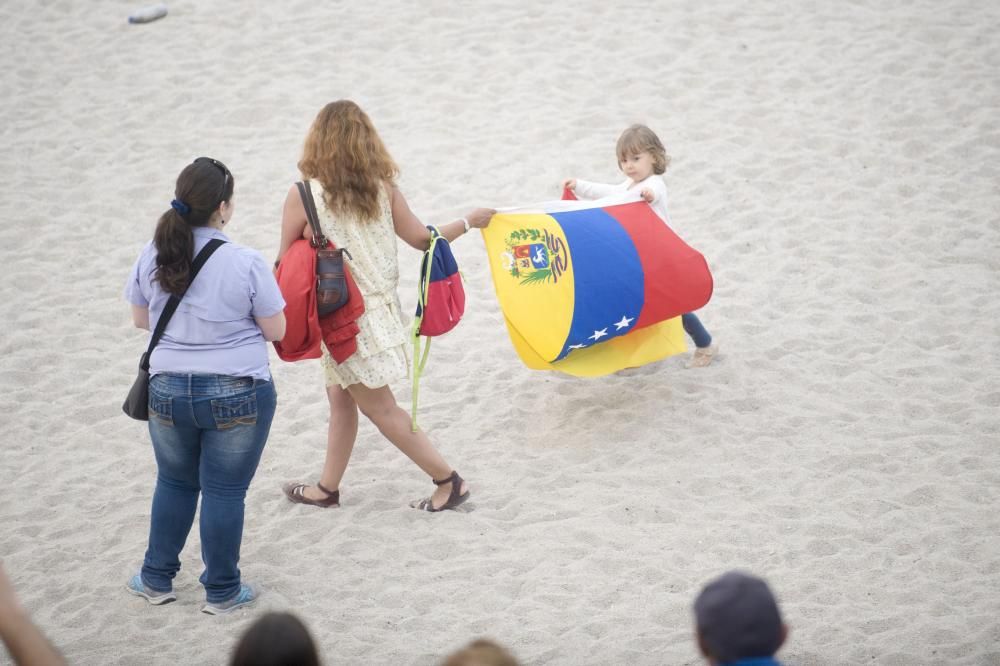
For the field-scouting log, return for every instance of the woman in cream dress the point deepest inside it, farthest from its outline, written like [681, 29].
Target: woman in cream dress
[352, 177]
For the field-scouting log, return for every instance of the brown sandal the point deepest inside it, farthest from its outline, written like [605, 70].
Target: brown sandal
[454, 499]
[296, 493]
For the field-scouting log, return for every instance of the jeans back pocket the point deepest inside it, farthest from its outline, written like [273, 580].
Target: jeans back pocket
[161, 407]
[237, 410]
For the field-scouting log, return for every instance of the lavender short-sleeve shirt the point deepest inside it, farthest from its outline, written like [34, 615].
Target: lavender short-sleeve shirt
[213, 330]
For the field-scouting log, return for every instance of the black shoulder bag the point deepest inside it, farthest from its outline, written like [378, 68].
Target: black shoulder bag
[331, 283]
[136, 405]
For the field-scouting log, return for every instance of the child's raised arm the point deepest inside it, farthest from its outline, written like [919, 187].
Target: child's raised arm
[584, 189]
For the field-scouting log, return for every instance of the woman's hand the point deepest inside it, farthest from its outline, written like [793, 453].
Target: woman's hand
[569, 184]
[480, 218]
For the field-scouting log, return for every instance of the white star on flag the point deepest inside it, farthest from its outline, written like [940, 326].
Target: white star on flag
[624, 322]
[577, 346]
[599, 334]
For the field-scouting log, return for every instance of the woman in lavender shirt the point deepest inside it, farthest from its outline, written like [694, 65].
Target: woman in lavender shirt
[211, 398]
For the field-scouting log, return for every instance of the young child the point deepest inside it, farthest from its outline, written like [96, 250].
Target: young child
[642, 159]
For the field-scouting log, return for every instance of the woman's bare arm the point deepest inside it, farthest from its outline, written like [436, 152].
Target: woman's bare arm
[272, 327]
[294, 223]
[140, 316]
[409, 227]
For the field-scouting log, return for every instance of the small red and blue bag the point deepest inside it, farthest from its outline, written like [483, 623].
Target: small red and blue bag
[440, 304]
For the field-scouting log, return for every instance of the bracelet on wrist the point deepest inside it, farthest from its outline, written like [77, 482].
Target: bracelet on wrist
[465, 222]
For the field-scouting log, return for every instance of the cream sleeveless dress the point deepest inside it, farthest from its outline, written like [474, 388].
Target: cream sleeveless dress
[381, 357]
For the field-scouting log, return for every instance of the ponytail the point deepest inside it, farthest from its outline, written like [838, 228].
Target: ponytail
[174, 242]
[201, 187]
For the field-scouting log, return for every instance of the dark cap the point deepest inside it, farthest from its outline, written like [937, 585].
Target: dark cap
[738, 618]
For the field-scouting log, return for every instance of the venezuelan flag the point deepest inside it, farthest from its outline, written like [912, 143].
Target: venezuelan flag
[592, 287]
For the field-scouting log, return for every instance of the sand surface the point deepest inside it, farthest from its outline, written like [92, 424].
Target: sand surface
[837, 163]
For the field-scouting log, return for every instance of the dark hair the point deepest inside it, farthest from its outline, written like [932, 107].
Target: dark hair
[737, 617]
[481, 652]
[201, 187]
[276, 639]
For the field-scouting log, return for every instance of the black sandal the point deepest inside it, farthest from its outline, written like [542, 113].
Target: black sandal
[454, 499]
[296, 493]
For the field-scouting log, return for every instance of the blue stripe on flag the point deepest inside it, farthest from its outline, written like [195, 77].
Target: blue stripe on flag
[607, 278]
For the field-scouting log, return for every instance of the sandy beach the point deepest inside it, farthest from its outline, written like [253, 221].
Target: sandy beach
[838, 164]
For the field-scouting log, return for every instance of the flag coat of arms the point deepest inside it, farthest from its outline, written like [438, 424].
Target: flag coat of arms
[592, 287]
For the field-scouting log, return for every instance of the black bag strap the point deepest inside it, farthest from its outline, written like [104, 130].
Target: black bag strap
[318, 239]
[168, 310]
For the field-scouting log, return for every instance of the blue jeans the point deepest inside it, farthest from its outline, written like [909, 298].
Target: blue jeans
[208, 433]
[694, 328]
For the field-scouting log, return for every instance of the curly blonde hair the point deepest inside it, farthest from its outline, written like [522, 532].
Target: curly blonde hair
[639, 138]
[345, 153]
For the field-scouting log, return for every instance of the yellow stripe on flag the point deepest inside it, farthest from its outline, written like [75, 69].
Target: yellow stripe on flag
[537, 302]
[645, 345]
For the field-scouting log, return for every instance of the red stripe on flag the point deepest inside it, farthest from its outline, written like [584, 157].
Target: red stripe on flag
[676, 276]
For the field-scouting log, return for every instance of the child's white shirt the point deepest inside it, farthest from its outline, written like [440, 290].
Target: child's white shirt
[586, 189]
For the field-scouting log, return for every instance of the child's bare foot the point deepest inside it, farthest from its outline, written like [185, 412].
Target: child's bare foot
[703, 356]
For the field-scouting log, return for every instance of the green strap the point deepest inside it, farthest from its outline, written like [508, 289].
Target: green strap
[418, 369]
[420, 361]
